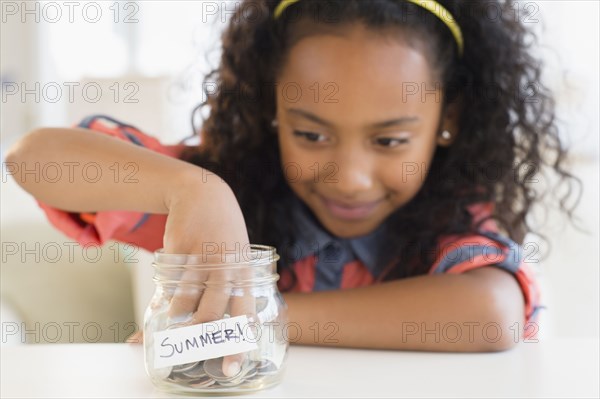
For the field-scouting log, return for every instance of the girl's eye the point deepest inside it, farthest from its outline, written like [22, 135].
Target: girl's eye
[313, 137]
[391, 142]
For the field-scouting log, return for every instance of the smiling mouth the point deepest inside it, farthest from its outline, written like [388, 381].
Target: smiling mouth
[350, 211]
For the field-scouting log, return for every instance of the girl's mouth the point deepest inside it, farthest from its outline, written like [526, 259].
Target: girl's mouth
[349, 211]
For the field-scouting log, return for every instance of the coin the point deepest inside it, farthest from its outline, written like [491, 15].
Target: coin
[267, 367]
[248, 372]
[179, 378]
[196, 372]
[214, 368]
[203, 382]
[182, 368]
[251, 373]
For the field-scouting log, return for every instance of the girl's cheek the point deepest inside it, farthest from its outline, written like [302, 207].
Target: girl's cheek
[404, 178]
[301, 166]
[311, 170]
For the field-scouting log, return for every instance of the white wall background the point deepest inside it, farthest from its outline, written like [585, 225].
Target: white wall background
[157, 47]
[163, 54]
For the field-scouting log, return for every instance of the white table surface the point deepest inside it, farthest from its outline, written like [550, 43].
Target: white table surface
[550, 368]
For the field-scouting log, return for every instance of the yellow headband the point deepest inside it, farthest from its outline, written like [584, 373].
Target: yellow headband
[430, 5]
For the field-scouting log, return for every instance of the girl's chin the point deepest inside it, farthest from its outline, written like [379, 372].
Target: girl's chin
[348, 229]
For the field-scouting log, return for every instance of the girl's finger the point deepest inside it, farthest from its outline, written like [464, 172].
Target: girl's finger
[232, 364]
[215, 297]
[242, 301]
[187, 294]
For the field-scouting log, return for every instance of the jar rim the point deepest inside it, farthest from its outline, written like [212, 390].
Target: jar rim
[255, 255]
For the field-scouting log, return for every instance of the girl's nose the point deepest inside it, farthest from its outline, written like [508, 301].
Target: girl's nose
[354, 177]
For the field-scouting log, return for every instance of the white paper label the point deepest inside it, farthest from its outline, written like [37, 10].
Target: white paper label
[203, 341]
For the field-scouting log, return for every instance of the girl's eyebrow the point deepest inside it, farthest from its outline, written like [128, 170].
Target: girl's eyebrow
[379, 125]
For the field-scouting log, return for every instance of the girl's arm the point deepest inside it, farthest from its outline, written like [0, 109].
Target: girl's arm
[202, 208]
[190, 195]
[80, 155]
[469, 312]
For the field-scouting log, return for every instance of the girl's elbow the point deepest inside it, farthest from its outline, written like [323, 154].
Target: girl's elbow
[20, 151]
[496, 337]
[505, 343]
[505, 319]
[501, 309]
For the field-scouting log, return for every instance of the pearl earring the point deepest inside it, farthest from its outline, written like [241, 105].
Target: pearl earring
[446, 135]
[274, 123]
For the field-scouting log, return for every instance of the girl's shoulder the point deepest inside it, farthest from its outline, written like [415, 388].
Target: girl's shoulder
[484, 242]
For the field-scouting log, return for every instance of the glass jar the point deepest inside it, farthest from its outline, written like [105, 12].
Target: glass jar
[247, 317]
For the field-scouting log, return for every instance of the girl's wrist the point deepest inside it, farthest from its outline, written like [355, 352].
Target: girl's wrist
[191, 183]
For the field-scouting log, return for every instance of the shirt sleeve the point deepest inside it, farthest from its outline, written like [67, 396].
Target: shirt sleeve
[141, 229]
[489, 248]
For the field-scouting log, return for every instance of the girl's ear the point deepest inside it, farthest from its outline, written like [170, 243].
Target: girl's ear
[449, 125]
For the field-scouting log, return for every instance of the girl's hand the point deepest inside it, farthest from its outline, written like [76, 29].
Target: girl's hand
[205, 217]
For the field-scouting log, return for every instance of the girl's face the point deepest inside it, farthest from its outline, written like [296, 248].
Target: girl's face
[359, 117]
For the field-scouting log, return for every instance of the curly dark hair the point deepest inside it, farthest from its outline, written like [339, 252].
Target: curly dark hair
[507, 137]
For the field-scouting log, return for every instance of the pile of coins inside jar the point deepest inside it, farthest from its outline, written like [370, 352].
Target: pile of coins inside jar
[209, 373]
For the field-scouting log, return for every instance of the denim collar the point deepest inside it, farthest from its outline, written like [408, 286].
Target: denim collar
[311, 237]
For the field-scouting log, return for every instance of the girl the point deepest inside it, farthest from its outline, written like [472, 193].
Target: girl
[386, 148]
